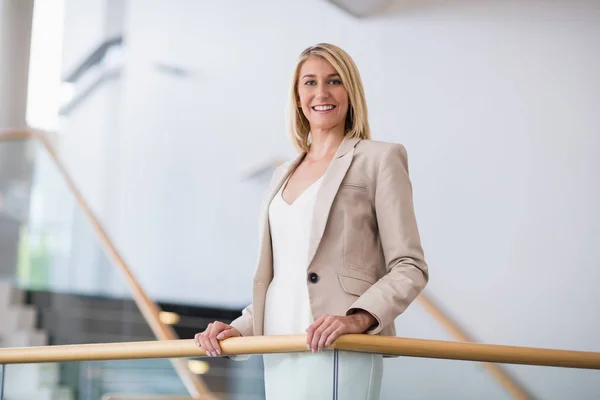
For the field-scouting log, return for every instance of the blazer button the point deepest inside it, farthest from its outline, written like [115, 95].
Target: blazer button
[314, 278]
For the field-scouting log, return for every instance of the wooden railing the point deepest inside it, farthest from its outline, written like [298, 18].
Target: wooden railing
[185, 348]
[165, 332]
[116, 396]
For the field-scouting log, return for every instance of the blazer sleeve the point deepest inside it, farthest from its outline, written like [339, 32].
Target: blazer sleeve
[244, 323]
[407, 272]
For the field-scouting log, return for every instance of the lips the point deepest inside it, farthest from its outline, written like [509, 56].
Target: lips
[323, 107]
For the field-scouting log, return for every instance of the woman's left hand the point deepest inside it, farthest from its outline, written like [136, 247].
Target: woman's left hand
[328, 328]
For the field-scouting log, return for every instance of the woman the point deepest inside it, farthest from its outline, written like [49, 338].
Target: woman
[339, 251]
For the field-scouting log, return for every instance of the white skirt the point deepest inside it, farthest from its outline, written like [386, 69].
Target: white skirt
[302, 376]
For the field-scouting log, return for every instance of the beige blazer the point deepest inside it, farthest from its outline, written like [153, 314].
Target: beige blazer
[364, 249]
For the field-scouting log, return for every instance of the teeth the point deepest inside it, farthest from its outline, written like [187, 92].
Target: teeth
[323, 108]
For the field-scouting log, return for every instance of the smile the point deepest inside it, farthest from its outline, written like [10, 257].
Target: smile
[323, 108]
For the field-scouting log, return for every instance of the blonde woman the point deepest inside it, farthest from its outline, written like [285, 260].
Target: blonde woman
[339, 250]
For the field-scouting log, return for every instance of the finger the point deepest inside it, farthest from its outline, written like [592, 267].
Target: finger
[227, 333]
[216, 329]
[333, 336]
[197, 337]
[325, 335]
[206, 343]
[316, 324]
[310, 331]
[317, 334]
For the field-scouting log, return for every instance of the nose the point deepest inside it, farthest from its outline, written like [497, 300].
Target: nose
[322, 92]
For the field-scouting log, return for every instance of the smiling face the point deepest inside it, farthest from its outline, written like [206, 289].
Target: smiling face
[322, 96]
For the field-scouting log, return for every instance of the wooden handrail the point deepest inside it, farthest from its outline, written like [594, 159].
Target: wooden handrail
[162, 331]
[388, 345]
[116, 396]
[194, 384]
[15, 135]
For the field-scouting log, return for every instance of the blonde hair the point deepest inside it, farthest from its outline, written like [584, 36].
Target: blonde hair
[357, 123]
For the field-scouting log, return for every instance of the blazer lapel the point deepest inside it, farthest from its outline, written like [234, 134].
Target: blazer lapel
[264, 270]
[329, 187]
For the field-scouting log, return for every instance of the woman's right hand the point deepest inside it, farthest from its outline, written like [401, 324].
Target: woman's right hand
[209, 339]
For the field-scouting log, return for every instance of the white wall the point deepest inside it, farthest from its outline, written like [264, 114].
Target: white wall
[89, 139]
[496, 102]
[89, 147]
[85, 29]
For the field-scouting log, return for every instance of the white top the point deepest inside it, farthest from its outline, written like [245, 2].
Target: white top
[287, 307]
[301, 376]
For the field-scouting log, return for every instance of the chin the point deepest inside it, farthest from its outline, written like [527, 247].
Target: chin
[325, 125]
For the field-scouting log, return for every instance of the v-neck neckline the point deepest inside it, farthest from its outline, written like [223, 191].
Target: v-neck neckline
[300, 195]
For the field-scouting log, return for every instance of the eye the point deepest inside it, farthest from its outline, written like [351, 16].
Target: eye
[335, 82]
[310, 82]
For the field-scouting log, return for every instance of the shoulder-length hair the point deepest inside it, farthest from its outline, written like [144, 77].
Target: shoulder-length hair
[357, 123]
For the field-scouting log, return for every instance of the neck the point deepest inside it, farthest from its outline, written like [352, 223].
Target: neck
[324, 143]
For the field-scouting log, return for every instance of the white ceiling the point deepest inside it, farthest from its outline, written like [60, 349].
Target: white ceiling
[362, 8]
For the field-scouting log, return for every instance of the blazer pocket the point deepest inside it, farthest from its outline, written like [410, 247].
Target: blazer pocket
[355, 286]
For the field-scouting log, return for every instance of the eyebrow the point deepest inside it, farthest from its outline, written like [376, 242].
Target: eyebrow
[314, 76]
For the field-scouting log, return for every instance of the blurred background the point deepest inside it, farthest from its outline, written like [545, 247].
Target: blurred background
[169, 118]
